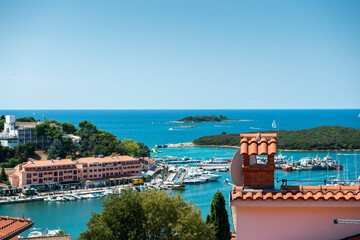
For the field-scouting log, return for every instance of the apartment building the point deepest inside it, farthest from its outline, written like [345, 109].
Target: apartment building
[68, 171]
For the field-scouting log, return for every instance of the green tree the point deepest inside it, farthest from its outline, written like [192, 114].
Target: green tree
[132, 148]
[219, 217]
[3, 176]
[147, 215]
[2, 122]
[26, 119]
[68, 127]
[55, 149]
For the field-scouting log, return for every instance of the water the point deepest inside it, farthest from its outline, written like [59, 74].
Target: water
[151, 127]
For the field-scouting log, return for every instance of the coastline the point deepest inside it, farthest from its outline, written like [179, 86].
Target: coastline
[240, 120]
[190, 144]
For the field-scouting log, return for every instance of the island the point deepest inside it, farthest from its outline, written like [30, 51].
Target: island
[326, 138]
[206, 119]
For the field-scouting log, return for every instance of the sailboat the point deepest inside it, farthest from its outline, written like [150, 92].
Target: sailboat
[274, 124]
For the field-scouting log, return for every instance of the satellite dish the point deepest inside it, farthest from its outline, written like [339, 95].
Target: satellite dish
[236, 169]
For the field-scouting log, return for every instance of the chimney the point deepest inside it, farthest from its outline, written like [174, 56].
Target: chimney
[258, 175]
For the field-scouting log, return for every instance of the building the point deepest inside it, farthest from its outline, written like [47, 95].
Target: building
[16, 133]
[68, 171]
[148, 163]
[260, 211]
[11, 227]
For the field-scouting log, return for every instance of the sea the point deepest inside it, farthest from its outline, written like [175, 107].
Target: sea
[153, 127]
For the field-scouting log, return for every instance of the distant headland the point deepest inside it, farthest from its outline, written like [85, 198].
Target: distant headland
[206, 119]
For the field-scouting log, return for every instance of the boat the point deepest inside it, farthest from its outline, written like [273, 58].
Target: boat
[174, 186]
[50, 199]
[222, 169]
[34, 234]
[274, 124]
[170, 129]
[60, 199]
[287, 168]
[214, 162]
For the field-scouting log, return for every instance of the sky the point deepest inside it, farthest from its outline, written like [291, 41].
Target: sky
[179, 54]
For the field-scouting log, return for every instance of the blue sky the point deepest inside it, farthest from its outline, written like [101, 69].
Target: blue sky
[179, 54]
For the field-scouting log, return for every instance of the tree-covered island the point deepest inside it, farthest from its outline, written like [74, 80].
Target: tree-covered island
[204, 119]
[320, 138]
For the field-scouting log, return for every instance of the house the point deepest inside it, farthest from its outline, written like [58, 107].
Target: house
[261, 211]
[16, 133]
[11, 227]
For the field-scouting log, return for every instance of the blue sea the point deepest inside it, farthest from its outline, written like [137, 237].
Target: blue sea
[151, 127]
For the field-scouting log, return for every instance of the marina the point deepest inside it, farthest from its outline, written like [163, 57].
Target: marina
[71, 216]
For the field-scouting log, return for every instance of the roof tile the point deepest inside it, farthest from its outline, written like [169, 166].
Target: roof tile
[299, 192]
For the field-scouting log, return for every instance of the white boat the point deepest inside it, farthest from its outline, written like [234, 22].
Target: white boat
[52, 232]
[274, 124]
[50, 199]
[213, 177]
[170, 129]
[214, 162]
[34, 234]
[60, 199]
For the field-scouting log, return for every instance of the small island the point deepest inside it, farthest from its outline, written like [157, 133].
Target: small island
[326, 138]
[206, 119]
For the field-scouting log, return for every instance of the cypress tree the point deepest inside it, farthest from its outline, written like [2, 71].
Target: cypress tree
[219, 217]
[3, 176]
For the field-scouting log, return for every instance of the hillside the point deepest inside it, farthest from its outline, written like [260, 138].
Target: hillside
[319, 138]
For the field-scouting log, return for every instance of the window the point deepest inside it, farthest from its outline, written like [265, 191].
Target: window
[28, 175]
[74, 178]
[34, 174]
[60, 179]
[55, 173]
[40, 174]
[85, 176]
[55, 179]
[60, 173]
[85, 171]
[28, 181]
[75, 172]
[65, 171]
[40, 180]
[45, 173]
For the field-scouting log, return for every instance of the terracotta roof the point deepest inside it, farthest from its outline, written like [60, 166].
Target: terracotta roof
[258, 144]
[11, 226]
[298, 192]
[106, 159]
[49, 163]
[80, 160]
[148, 159]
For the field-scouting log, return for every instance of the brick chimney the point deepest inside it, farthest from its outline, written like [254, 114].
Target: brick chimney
[258, 175]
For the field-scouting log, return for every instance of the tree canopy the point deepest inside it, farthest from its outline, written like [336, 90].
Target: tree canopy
[199, 119]
[68, 128]
[147, 215]
[319, 138]
[26, 119]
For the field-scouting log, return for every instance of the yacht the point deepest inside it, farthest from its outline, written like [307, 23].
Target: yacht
[214, 162]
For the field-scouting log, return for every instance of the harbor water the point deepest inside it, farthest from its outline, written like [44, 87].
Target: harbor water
[151, 127]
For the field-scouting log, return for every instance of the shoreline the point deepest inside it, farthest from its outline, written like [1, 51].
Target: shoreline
[190, 144]
[240, 120]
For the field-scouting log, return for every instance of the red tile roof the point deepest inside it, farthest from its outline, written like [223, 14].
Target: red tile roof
[258, 144]
[299, 192]
[11, 226]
